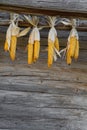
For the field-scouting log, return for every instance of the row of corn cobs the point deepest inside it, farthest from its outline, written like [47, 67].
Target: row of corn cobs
[71, 50]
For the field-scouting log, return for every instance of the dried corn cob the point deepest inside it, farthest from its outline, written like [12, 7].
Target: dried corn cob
[11, 36]
[31, 47]
[53, 42]
[6, 48]
[68, 57]
[56, 43]
[13, 47]
[8, 38]
[30, 53]
[34, 39]
[50, 52]
[36, 50]
[72, 45]
[76, 53]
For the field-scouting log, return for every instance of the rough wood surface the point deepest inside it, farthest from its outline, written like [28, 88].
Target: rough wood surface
[5, 20]
[75, 8]
[33, 97]
[80, 27]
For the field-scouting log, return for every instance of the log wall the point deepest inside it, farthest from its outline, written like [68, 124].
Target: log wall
[75, 8]
[35, 97]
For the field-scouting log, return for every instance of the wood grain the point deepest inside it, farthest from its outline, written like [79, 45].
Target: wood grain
[65, 8]
[5, 20]
[33, 97]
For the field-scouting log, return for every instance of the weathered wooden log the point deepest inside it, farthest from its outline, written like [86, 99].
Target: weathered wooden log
[5, 21]
[63, 8]
[60, 27]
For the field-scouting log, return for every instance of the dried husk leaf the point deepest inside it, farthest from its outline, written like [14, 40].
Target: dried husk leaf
[8, 35]
[24, 32]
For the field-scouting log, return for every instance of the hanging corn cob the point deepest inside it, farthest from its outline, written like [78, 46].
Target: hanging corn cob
[12, 34]
[34, 40]
[15, 31]
[72, 49]
[8, 38]
[53, 42]
[31, 48]
[11, 37]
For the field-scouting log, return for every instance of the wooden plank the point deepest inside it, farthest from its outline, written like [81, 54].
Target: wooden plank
[34, 101]
[5, 20]
[59, 27]
[67, 8]
[32, 107]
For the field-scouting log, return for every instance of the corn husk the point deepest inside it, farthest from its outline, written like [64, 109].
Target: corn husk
[8, 38]
[24, 32]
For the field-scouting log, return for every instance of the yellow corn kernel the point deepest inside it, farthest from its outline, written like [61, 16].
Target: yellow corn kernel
[36, 50]
[30, 53]
[56, 43]
[13, 47]
[68, 57]
[6, 48]
[72, 45]
[50, 53]
[76, 53]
